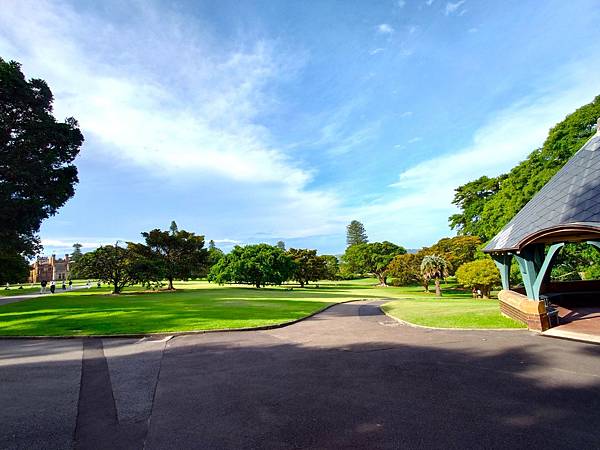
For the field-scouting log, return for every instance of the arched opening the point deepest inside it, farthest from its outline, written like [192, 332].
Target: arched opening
[572, 286]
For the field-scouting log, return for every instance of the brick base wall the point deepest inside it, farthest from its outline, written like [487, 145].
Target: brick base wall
[518, 307]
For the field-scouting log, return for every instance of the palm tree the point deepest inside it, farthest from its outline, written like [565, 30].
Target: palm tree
[436, 267]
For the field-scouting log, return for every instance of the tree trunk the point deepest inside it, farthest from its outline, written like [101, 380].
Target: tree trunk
[438, 290]
[382, 280]
[301, 283]
[170, 287]
[426, 284]
[257, 285]
[116, 289]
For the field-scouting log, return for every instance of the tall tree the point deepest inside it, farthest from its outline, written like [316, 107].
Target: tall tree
[356, 234]
[308, 265]
[211, 245]
[456, 250]
[180, 252]
[332, 267]
[36, 153]
[111, 264]
[258, 265]
[76, 253]
[372, 258]
[281, 245]
[489, 204]
[434, 267]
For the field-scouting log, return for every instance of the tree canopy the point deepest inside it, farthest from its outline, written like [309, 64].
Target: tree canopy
[455, 250]
[36, 153]
[179, 252]
[481, 274]
[356, 233]
[405, 269]
[110, 264]
[372, 258]
[258, 265]
[308, 265]
[487, 204]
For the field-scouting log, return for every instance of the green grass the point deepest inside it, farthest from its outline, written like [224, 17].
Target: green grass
[14, 290]
[199, 305]
[450, 313]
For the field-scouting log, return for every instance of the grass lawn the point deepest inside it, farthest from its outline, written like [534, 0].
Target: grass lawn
[199, 305]
[450, 313]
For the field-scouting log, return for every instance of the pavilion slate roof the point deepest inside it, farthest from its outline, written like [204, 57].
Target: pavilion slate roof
[571, 197]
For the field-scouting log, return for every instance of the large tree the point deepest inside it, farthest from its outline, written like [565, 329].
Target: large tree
[76, 254]
[456, 250]
[405, 269]
[258, 265]
[356, 233]
[481, 274]
[180, 252]
[489, 204]
[372, 258]
[36, 154]
[111, 264]
[308, 265]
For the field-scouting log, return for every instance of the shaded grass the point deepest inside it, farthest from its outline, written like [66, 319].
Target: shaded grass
[450, 313]
[198, 305]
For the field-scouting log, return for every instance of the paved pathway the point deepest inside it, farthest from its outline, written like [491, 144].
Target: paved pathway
[20, 298]
[347, 378]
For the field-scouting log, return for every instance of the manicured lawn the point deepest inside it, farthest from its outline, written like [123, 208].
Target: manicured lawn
[199, 305]
[12, 291]
[450, 313]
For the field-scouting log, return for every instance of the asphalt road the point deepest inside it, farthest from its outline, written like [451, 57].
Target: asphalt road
[348, 378]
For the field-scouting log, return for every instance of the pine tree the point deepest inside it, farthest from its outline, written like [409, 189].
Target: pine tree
[281, 245]
[356, 234]
[211, 245]
[76, 252]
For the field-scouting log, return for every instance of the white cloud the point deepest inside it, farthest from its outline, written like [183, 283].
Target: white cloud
[375, 51]
[385, 28]
[424, 192]
[452, 8]
[157, 93]
[415, 140]
[406, 114]
[473, 30]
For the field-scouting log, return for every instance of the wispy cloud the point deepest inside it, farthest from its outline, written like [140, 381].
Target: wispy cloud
[375, 51]
[385, 28]
[429, 2]
[139, 105]
[453, 8]
[406, 114]
[415, 140]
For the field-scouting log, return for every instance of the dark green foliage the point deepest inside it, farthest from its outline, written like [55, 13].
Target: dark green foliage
[356, 234]
[576, 262]
[489, 204]
[332, 267]
[405, 269]
[180, 253]
[281, 245]
[110, 264]
[456, 251]
[371, 258]
[76, 254]
[308, 265]
[14, 268]
[36, 153]
[258, 265]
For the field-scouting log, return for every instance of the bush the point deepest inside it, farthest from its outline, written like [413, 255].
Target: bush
[481, 274]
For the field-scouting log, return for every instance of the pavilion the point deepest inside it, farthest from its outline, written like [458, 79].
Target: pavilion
[566, 209]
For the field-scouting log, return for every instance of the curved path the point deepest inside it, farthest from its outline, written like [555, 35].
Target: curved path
[347, 378]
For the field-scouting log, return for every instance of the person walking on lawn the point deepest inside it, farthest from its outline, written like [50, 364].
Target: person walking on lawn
[44, 283]
[52, 286]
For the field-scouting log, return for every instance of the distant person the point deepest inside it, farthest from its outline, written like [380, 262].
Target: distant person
[7, 286]
[88, 284]
[70, 285]
[44, 283]
[52, 286]
[64, 285]
[99, 283]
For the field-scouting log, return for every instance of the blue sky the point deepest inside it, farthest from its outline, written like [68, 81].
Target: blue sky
[257, 121]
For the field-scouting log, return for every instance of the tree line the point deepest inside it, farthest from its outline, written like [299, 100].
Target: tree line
[487, 204]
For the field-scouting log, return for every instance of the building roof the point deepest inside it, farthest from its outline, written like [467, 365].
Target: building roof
[567, 208]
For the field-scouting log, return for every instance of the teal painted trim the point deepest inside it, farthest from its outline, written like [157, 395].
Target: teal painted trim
[546, 265]
[530, 261]
[503, 264]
